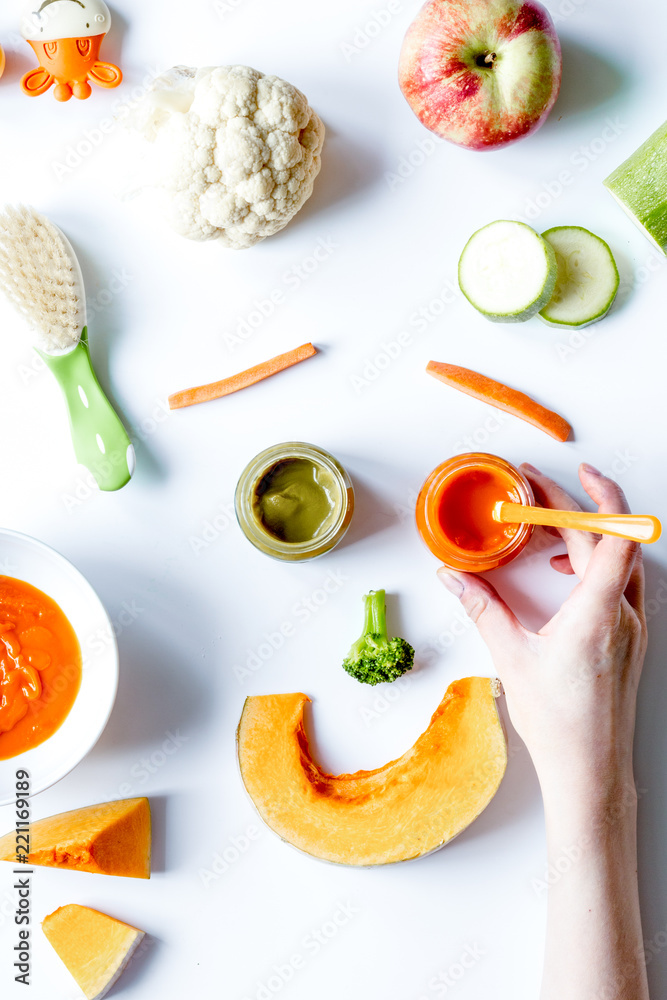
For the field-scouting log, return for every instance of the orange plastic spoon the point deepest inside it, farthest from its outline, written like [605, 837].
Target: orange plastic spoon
[634, 527]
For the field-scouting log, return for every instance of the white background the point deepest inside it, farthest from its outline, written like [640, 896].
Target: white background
[198, 615]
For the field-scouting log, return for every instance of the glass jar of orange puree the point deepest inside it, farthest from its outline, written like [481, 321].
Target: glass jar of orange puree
[455, 512]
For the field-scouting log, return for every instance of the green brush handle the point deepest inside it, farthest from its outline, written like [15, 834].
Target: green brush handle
[100, 441]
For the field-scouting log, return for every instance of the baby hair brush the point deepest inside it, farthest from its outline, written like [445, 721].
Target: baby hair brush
[40, 275]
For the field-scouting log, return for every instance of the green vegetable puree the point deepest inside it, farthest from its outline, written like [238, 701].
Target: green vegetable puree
[295, 500]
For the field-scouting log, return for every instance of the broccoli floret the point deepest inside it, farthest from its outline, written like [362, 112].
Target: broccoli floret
[375, 658]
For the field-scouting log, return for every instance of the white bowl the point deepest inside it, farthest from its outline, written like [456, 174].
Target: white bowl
[25, 558]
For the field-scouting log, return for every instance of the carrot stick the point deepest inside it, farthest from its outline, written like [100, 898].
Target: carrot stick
[203, 393]
[510, 400]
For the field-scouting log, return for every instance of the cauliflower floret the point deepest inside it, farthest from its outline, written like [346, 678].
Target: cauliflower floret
[235, 153]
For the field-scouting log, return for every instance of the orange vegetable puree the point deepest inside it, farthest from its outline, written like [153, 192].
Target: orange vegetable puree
[40, 667]
[466, 507]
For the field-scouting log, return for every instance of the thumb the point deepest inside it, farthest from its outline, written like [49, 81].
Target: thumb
[497, 624]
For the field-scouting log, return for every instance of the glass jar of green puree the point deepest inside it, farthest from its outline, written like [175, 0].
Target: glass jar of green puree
[294, 501]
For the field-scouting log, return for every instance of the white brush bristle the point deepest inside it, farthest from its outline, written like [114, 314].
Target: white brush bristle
[38, 275]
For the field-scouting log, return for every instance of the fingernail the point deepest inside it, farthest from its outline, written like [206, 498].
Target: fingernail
[531, 468]
[590, 469]
[451, 582]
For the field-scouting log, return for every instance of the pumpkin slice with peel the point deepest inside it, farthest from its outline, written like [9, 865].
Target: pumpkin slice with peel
[404, 810]
[113, 838]
[94, 947]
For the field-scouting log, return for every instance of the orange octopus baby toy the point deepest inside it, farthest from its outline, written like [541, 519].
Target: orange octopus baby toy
[66, 36]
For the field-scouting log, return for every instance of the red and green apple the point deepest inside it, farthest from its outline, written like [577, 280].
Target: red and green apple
[481, 73]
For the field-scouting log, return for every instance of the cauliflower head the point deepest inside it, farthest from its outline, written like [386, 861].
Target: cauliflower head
[234, 154]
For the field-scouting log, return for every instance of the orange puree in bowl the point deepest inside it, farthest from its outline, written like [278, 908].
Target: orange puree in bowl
[40, 667]
[466, 510]
[454, 512]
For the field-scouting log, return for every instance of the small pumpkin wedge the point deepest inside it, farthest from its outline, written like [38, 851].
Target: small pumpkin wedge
[404, 810]
[112, 838]
[94, 947]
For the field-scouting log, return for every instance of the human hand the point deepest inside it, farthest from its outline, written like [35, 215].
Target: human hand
[571, 687]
